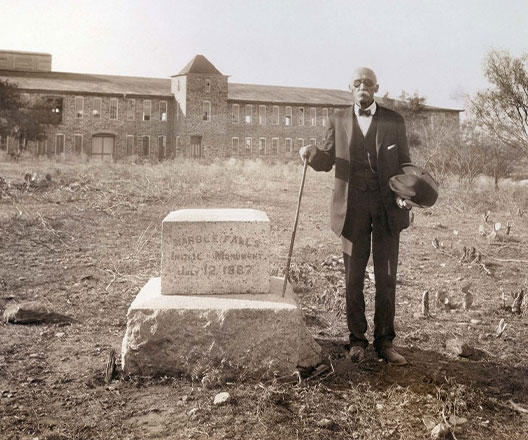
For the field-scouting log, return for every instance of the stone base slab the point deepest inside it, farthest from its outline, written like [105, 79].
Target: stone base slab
[251, 334]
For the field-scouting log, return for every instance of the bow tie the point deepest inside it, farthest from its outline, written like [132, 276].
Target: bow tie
[362, 112]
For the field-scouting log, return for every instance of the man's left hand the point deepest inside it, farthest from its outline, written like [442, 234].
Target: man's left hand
[402, 204]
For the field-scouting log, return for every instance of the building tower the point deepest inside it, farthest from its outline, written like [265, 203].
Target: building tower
[200, 91]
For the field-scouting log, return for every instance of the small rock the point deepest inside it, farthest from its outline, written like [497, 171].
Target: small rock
[459, 348]
[429, 423]
[440, 431]
[25, 313]
[327, 424]
[59, 334]
[475, 321]
[32, 312]
[221, 398]
[457, 421]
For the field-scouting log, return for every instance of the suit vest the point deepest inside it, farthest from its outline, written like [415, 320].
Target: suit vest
[363, 170]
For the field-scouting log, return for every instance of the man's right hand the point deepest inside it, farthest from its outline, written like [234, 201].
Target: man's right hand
[307, 152]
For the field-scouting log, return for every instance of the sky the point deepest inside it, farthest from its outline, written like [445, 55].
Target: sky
[434, 48]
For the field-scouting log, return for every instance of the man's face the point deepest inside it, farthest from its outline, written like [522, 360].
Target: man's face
[364, 86]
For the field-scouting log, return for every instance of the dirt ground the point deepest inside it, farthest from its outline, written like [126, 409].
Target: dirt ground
[85, 240]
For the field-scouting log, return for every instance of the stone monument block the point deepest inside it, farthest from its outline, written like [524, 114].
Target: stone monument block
[215, 251]
[250, 334]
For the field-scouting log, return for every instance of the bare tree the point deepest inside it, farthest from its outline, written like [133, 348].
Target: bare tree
[502, 109]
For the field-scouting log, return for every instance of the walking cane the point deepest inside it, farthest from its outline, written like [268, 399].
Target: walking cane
[294, 228]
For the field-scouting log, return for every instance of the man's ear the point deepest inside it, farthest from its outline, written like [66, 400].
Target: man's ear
[376, 88]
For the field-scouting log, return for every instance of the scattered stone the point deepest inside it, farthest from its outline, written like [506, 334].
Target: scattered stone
[500, 328]
[517, 302]
[425, 304]
[327, 424]
[475, 321]
[440, 297]
[440, 431]
[468, 300]
[221, 398]
[457, 421]
[429, 423]
[30, 312]
[459, 348]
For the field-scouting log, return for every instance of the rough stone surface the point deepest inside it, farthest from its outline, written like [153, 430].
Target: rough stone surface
[215, 251]
[221, 398]
[31, 312]
[459, 348]
[253, 334]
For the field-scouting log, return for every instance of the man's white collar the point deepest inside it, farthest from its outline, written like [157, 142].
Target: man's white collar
[372, 107]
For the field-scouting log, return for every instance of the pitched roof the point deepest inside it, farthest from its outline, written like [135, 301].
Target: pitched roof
[88, 83]
[303, 95]
[283, 94]
[199, 64]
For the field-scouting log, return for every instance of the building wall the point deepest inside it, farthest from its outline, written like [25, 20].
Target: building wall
[88, 125]
[300, 133]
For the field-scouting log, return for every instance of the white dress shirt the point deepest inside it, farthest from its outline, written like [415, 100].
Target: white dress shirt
[364, 121]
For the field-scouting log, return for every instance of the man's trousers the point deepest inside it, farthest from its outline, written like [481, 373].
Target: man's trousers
[370, 227]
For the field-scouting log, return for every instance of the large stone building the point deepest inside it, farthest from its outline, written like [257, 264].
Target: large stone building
[196, 113]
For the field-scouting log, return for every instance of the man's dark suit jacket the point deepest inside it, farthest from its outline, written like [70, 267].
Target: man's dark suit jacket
[392, 150]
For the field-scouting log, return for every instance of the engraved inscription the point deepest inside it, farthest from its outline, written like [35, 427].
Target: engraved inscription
[215, 238]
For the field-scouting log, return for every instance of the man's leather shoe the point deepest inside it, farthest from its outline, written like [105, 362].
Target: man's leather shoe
[391, 356]
[356, 353]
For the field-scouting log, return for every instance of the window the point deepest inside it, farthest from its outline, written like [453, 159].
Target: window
[248, 149]
[162, 145]
[235, 114]
[234, 146]
[262, 114]
[146, 109]
[313, 116]
[97, 105]
[59, 144]
[146, 145]
[3, 143]
[207, 85]
[78, 143]
[325, 117]
[313, 141]
[274, 147]
[288, 146]
[113, 108]
[275, 118]
[288, 116]
[301, 116]
[129, 145]
[56, 106]
[262, 146]
[163, 111]
[79, 107]
[178, 143]
[178, 85]
[131, 109]
[206, 109]
[249, 113]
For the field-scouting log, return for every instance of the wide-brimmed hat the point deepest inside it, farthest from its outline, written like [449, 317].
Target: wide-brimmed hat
[415, 185]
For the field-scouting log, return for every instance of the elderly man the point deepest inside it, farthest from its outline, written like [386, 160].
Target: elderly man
[368, 145]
